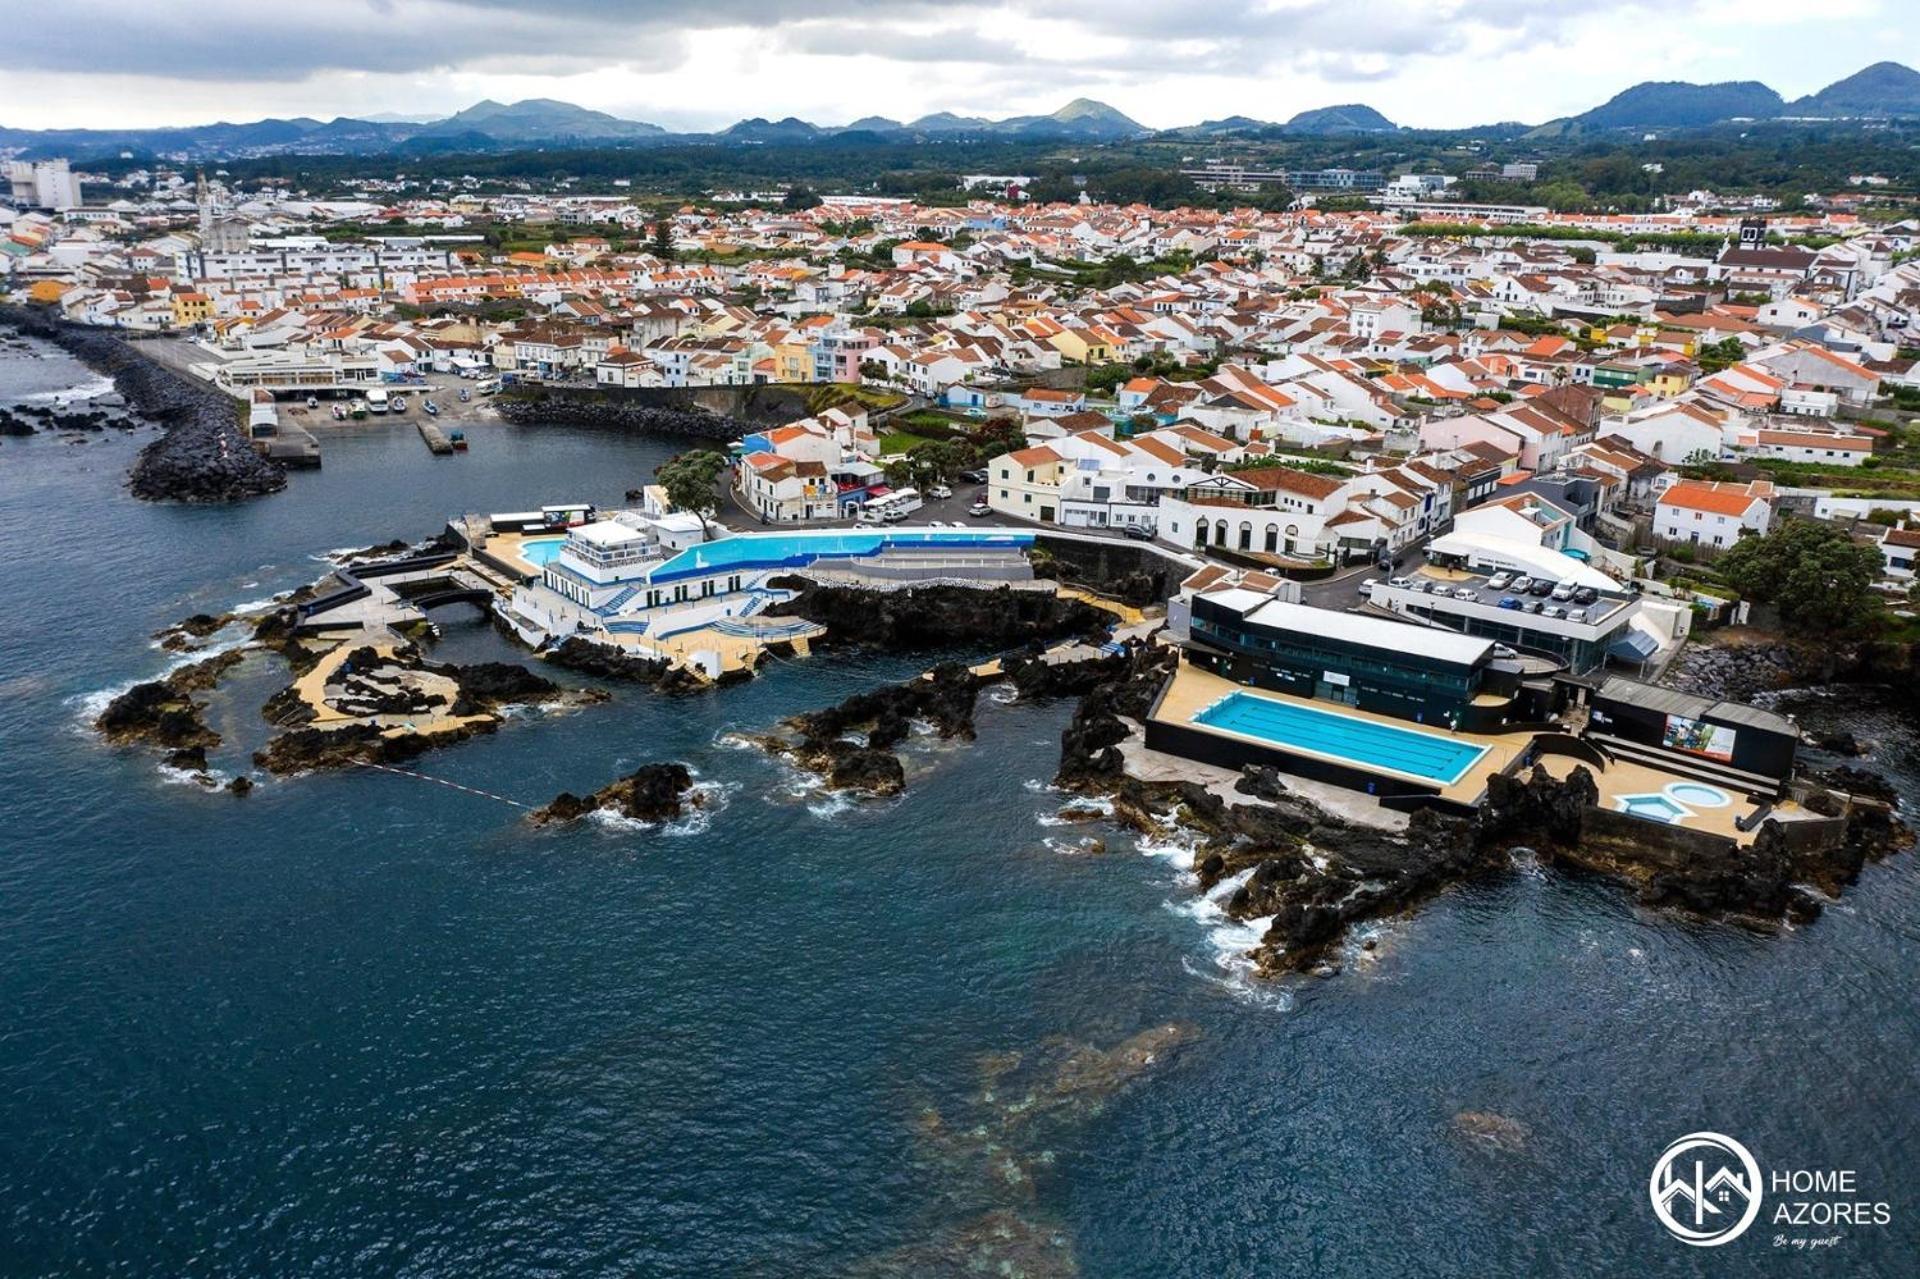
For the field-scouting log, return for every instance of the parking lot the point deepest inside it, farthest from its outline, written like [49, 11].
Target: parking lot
[1507, 591]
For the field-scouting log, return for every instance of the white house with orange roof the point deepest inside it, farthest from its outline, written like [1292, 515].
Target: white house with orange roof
[1814, 365]
[1676, 432]
[1826, 448]
[1713, 514]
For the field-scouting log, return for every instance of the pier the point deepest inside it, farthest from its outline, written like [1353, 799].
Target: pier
[437, 442]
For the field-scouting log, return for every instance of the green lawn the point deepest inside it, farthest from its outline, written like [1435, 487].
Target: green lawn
[901, 442]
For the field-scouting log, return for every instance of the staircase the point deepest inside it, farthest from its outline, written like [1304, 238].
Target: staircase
[615, 604]
[1701, 769]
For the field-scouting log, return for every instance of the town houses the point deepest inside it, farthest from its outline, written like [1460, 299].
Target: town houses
[1296, 386]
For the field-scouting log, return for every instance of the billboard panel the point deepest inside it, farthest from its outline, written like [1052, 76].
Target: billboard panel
[1697, 737]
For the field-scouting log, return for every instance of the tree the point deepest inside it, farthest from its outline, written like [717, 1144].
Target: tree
[661, 246]
[1724, 354]
[941, 460]
[799, 197]
[689, 481]
[1819, 578]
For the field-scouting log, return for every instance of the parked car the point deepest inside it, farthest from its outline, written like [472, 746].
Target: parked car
[1531, 606]
[1553, 610]
[1586, 595]
[1138, 532]
[1465, 593]
[1508, 601]
[1522, 584]
[1563, 592]
[1366, 587]
[894, 515]
[975, 476]
[979, 508]
[1402, 583]
[1499, 581]
[1542, 588]
[939, 492]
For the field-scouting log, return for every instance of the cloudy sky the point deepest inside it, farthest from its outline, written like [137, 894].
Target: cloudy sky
[108, 63]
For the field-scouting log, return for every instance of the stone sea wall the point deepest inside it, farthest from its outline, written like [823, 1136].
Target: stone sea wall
[202, 455]
[651, 411]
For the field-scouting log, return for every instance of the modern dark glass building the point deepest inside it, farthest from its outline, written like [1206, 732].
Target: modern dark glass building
[1427, 675]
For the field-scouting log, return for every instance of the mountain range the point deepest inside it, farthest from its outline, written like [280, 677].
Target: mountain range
[1883, 90]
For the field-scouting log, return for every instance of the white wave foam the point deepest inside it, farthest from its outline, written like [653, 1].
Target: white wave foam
[1179, 849]
[92, 388]
[611, 821]
[713, 798]
[1245, 987]
[91, 704]
[832, 805]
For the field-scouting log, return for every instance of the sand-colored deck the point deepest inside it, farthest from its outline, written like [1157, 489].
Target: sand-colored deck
[505, 548]
[313, 685]
[1194, 690]
[1627, 777]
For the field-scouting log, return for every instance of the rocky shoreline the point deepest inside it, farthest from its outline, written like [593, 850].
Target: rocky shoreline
[1315, 877]
[201, 456]
[938, 616]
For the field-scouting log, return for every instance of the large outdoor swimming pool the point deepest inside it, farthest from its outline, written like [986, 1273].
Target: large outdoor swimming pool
[795, 550]
[1400, 750]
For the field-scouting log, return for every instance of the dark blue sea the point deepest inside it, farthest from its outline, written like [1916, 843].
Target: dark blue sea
[358, 1024]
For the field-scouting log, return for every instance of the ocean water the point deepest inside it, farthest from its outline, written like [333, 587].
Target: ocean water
[360, 1025]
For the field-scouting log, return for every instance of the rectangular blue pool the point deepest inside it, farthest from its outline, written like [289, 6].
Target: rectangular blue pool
[1399, 750]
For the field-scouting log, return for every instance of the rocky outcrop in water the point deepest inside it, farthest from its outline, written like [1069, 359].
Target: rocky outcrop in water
[939, 616]
[29, 419]
[651, 793]
[202, 455]
[610, 661]
[164, 712]
[824, 742]
[191, 632]
[315, 749]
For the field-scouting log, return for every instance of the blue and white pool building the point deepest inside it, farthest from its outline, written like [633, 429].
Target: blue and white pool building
[633, 576]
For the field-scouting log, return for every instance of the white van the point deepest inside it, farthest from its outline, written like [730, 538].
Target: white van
[377, 400]
[487, 385]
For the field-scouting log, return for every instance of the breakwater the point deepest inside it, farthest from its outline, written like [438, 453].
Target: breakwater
[202, 456]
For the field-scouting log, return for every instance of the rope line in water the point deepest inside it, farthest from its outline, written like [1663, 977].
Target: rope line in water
[441, 781]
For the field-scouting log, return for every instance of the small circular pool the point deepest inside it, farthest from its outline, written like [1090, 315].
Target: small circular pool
[1699, 795]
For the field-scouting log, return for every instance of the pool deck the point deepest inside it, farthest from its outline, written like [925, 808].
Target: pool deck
[1625, 777]
[505, 547]
[1193, 691]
